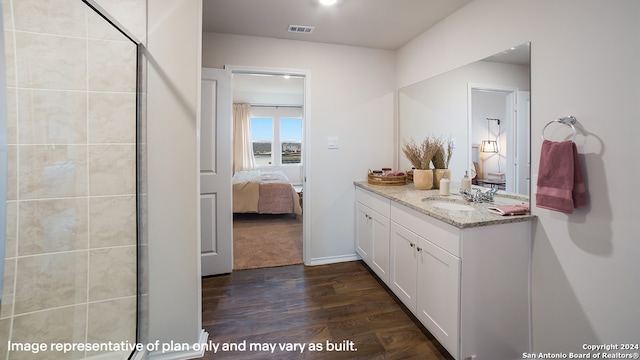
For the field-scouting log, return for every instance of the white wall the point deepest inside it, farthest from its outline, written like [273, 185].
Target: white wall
[174, 68]
[485, 105]
[352, 98]
[585, 56]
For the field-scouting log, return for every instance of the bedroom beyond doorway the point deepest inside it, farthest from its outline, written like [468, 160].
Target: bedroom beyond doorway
[264, 240]
[276, 99]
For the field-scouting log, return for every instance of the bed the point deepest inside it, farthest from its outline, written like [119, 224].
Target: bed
[264, 192]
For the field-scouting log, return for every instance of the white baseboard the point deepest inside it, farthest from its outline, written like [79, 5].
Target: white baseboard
[139, 355]
[182, 355]
[332, 259]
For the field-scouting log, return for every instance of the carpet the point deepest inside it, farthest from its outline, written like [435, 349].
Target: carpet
[261, 241]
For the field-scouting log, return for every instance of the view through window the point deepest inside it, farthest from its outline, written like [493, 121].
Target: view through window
[277, 139]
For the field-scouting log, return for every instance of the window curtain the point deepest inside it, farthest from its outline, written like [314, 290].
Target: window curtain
[242, 147]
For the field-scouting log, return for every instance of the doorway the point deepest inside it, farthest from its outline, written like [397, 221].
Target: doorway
[494, 116]
[279, 122]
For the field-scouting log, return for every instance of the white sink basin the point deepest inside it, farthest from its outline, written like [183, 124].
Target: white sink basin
[449, 205]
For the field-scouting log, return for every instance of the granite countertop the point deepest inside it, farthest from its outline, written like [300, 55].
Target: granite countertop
[407, 195]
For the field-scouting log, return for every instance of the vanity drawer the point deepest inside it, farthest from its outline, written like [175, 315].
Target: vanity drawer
[373, 201]
[444, 235]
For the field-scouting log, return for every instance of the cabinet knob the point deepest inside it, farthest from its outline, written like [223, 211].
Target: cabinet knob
[419, 249]
[412, 244]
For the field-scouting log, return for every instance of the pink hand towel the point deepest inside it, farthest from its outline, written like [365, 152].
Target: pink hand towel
[560, 180]
[519, 209]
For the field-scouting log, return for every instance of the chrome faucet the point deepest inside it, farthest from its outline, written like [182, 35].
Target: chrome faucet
[478, 196]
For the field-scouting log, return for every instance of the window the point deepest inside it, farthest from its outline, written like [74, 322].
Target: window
[262, 138]
[276, 135]
[291, 140]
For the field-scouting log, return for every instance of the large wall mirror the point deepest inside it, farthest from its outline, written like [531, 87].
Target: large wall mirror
[484, 108]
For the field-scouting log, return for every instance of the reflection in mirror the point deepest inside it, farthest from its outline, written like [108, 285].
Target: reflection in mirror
[458, 103]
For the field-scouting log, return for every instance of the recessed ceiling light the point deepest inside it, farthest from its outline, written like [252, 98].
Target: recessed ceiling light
[328, 2]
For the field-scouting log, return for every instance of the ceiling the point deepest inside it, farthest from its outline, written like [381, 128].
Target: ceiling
[268, 90]
[379, 24]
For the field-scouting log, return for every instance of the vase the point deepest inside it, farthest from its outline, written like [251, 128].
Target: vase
[437, 176]
[423, 179]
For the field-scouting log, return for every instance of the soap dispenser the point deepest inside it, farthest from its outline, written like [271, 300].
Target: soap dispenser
[444, 185]
[466, 182]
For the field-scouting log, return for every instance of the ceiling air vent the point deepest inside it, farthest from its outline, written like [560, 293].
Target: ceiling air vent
[301, 29]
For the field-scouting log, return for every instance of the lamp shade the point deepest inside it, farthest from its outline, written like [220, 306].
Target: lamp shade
[489, 146]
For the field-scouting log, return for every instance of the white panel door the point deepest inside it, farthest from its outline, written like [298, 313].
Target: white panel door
[216, 214]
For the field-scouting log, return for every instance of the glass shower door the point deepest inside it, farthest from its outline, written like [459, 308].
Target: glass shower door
[70, 272]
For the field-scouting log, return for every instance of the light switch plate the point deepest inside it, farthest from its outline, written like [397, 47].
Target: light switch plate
[332, 142]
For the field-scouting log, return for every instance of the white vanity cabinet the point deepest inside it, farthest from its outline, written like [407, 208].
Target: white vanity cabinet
[425, 276]
[469, 285]
[404, 265]
[372, 231]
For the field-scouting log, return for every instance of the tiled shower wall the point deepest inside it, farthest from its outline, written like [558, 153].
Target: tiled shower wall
[70, 259]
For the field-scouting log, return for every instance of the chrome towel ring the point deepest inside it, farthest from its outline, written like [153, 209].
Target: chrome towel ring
[566, 120]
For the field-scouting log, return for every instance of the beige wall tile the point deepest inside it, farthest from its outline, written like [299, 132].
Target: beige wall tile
[52, 171]
[6, 309]
[60, 17]
[5, 327]
[9, 56]
[113, 221]
[112, 118]
[10, 249]
[112, 66]
[132, 14]
[12, 116]
[7, 18]
[53, 268]
[99, 29]
[112, 273]
[104, 326]
[51, 280]
[46, 226]
[63, 325]
[52, 117]
[112, 169]
[12, 172]
[44, 66]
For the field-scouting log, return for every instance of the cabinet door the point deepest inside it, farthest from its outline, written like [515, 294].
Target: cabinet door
[380, 243]
[438, 293]
[364, 235]
[403, 265]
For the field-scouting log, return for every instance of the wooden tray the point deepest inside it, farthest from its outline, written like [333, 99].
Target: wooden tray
[376, 179]
[409, 177]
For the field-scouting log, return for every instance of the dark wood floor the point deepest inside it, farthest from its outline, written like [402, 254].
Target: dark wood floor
[337, 303]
